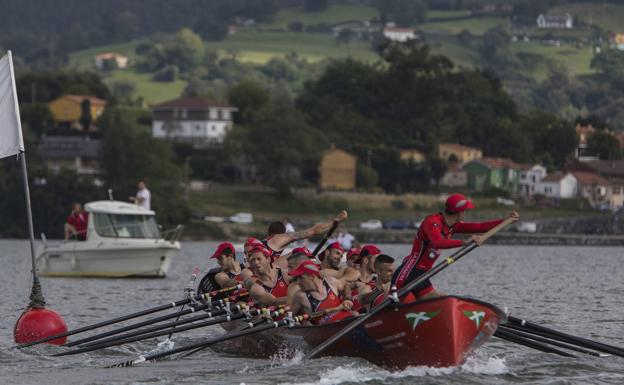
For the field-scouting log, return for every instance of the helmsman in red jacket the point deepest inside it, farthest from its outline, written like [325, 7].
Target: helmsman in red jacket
[435, 234]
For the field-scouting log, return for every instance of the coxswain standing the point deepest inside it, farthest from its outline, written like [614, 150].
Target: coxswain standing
[435, 234]
[317, 293]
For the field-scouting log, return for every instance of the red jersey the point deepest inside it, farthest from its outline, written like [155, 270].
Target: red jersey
[281, 287]
[79, 221]
[274, 254]
[331, 300]
[434, 234]
[355, 292]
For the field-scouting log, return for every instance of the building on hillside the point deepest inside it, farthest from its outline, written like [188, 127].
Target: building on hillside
[119, 60]
[412, 155]
[196, 120]
[530, 175]
[454, 176]
[613, 171]
[487, 173]
[399, 34]
[555, 21]
[337, 170]
[75, 153]
[557, 185]
[618, 41]
[594, 188]
[67, 110]
[454, 152]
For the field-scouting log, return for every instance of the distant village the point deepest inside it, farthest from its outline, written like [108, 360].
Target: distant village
[205, 123]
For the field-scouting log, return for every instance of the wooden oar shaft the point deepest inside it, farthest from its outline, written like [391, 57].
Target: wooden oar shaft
[175, 304]
[502, 334]
[329, 233]
[407, 288]
[519, 324]
[176, 329]
[547, 341]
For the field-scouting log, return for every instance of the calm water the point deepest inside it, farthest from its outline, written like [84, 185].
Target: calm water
[578, 290]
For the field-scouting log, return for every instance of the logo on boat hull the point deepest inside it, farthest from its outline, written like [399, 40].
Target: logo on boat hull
[475, 316]
[416, 319]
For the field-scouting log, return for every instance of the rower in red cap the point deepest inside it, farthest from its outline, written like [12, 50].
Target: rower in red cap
[229, 273]
[434, 234]
[317, 293]
[268, 286]
[367, 279]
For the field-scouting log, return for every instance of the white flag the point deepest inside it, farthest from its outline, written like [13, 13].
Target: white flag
[11, 141]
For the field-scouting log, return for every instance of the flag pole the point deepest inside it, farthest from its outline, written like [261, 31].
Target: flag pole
[36, 294]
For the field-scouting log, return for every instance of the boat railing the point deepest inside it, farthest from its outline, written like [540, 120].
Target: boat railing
[172, 235]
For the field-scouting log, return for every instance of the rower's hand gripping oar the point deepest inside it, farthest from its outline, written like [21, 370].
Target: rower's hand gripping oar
[175, 304]
[408, 287]
[323, 241]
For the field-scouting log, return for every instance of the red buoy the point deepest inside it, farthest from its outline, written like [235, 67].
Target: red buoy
[37, 323]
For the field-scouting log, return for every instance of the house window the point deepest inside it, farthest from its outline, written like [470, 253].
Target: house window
[616, 191]
[197, 127]
[175, 112]
[184, 113]
[219, 115]
[213, 128]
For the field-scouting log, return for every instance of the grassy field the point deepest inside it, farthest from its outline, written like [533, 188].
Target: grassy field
[449, 46]
[334, 14]
[152, 91]
[260, 46]
[577, 60]
[84, 60]
[476, 26]
[609, 16]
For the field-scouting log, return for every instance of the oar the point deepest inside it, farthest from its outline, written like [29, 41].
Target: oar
[175, 329]
[325, 238]
[217, 303]
[211, 341]
[505, 335]
[173, 324]
[529, 327]
[549, 341]
[187, 290]
[407, 288]
[200, 297]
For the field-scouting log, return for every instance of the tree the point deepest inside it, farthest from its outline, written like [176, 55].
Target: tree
[403, 12]
[315, 5]
[85, 114]
[249, 97]
[604, 145]
[128, 153]
[610, 63]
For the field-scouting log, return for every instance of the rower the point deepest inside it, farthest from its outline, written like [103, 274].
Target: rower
[352, 255]
[367, 278]
[232, 273]
[434, 234]
[330, 264]
[278, 239]
[384, 267]
[249, 244]
[267, 286]
[318, 293]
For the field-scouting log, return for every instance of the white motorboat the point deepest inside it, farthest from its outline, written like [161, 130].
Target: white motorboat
[122, 240]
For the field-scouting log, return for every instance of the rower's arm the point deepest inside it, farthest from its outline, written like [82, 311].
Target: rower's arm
[368, 296]
[262, 297]
[301, 304]
[350, 274]
[280, 241]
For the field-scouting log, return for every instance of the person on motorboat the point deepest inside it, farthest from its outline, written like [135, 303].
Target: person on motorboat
[268, 286]
[278, 239]
[76, 224]
[434, 234]
[143, 196]
[318, 293]
[384, 268]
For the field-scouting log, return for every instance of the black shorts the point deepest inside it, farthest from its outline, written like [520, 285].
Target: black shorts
[420, 289]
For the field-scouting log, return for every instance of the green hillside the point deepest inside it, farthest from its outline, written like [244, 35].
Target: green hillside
[608, 16]
[334, 14]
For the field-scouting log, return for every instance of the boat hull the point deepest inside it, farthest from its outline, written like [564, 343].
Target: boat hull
[116, 259]
[439, 332]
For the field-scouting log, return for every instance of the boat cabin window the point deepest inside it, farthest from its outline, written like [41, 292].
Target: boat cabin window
[126, 226]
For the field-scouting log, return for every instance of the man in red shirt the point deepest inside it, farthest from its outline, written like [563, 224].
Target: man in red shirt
[435, 234]
[76, 223]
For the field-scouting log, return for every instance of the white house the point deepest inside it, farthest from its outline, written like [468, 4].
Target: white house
[555, 21]
[120, 60]
[530, 175]
[399, 34]
[557, 185]
[197, 120]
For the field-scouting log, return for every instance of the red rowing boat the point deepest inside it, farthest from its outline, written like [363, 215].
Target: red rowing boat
[438, 332]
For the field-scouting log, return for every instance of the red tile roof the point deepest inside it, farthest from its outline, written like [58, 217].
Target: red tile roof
[80, 98]
[192, 103]
[495, 163]
[590, 178]
[554, 177]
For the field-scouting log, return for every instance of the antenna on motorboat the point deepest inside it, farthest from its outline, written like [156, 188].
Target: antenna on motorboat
[110, 194]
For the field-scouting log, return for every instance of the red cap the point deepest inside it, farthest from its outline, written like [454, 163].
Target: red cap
[457, 203]
[333, 245]
[224, 248]
[353, 253]
[301, 250]
[252, 241]
[369, 250]
[261, 249]
[306, 267]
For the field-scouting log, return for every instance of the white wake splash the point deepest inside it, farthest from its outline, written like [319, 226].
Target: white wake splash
[362, 374]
